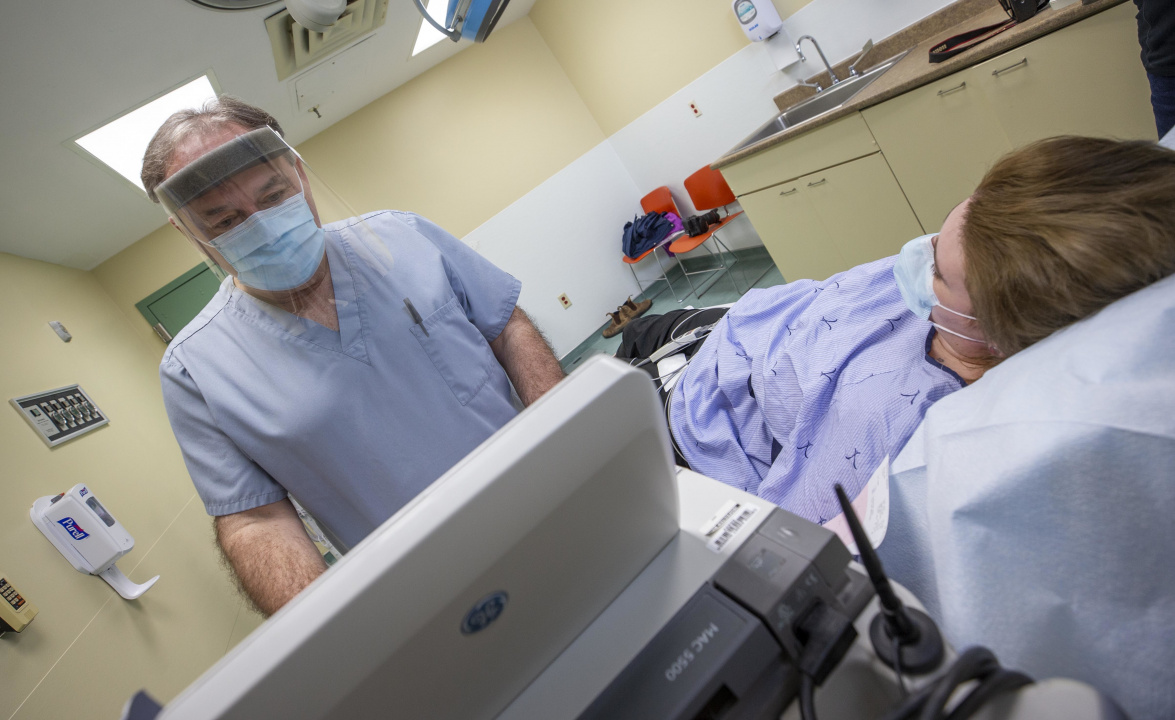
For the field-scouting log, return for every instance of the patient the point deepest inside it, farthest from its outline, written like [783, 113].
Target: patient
[813, 383]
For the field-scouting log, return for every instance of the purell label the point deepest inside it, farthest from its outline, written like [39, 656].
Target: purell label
[73, 528]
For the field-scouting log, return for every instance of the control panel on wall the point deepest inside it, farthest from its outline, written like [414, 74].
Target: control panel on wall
[60, 415]
[15, 611]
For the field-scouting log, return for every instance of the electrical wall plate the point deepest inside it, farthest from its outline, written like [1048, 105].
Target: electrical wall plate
[60, 415]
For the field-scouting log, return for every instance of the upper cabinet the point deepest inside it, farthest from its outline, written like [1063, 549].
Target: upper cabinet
[1084, 79]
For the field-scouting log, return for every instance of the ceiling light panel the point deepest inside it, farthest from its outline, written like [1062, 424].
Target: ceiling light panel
[120, 143]
[428, 35]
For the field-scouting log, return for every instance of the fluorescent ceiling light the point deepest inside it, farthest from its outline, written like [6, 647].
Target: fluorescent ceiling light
[429, 35]
[120, 144]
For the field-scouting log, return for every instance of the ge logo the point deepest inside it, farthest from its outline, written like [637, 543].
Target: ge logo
[484, 613]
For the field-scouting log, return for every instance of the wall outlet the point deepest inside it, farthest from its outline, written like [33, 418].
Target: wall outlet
[565, 301]
[697, 111]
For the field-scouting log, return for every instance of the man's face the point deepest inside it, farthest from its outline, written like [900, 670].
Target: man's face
[229, 203]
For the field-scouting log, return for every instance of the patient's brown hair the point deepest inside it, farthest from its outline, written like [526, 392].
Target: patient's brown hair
[1061, 228]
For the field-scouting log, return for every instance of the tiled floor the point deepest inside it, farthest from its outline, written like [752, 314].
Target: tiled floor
[754, 266]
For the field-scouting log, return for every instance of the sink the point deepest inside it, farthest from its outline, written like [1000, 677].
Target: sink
[820, 103]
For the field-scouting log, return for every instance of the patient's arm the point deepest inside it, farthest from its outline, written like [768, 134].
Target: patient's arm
[270, 553]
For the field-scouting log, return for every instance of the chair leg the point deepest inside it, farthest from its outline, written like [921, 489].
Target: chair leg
[666, 275]
[733, 262]
[634, 277]
[687, 274]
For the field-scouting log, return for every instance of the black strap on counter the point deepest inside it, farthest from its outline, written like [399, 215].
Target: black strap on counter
[956, 44]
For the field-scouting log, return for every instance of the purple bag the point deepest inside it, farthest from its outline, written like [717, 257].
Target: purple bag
[677, 225]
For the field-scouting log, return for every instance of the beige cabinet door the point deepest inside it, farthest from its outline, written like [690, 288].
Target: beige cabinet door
[939, 140]
[862, 208]
[792, 232]
[1085, 79]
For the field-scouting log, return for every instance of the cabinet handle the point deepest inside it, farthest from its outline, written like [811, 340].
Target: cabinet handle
[948, 91]
[1023, 63]
[793, 191]
[161, 332]
[821, 181]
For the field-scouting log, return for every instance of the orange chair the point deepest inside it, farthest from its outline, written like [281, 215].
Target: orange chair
[660, 200]
[707, 191]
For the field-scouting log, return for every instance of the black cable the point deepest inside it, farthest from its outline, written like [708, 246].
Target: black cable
[897, 665]
[1000, 681]
[807, 697]
[975, 662]
[912, 705]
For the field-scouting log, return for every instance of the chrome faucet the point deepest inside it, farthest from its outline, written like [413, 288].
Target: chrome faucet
[820, 52]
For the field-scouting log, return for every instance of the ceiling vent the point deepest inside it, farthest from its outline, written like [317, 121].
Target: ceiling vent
[296, 48]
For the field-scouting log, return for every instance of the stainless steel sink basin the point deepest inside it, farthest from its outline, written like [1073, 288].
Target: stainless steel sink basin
[818, 104]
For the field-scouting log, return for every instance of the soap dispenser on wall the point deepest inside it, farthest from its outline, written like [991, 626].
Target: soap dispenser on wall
[760, 22]
[88, 536]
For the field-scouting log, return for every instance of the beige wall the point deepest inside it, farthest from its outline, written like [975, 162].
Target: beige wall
[624, 57]
[143, 268]
[88, 647]
[463, 141]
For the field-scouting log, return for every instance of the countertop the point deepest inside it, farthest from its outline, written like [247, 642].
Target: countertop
[915, 69]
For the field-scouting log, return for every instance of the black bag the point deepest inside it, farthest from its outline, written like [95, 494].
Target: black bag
[1021, 10]
[1018, 11]
[695, 225]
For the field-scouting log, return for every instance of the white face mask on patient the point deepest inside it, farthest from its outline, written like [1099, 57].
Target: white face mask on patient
[914, 273]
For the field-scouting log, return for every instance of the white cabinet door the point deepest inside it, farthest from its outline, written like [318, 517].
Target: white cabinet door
[939, 139]
[792, 232]
[1084, 79]
[863, 209]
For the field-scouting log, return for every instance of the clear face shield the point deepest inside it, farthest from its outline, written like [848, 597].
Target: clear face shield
[256, 211]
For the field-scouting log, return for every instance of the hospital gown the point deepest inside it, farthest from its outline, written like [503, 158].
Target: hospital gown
[808, 384]
[352, 423]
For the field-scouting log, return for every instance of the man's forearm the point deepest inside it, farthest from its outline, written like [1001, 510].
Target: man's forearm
[527, 358]
[270, 554]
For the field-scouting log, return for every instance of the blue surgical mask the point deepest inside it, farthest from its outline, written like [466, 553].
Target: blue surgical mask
[275, 249]
[914, 273]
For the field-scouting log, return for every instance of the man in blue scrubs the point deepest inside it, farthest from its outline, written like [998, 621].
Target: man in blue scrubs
[348, 365]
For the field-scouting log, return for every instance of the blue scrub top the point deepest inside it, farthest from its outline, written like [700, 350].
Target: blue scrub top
[808, 384]
[353, 423]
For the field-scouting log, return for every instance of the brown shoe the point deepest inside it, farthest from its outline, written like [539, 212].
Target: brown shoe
[618, 322]
[634, 310]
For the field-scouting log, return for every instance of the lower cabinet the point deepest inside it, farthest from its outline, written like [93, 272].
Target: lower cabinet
[863, 208]
[833, 219]
[1084, 79]
[939, 139]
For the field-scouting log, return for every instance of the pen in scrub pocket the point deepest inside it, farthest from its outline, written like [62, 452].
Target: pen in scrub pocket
[416, 316]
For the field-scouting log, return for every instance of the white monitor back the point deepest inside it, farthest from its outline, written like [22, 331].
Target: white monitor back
[559, 510]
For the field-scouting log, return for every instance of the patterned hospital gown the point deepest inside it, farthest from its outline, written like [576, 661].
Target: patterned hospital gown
[808, 384]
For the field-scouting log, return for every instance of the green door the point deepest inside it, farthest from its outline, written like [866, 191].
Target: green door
[172, 307]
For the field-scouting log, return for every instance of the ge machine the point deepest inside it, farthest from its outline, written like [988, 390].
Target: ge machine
[567, 569]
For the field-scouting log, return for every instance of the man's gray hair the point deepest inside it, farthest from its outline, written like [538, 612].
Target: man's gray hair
[224, 110]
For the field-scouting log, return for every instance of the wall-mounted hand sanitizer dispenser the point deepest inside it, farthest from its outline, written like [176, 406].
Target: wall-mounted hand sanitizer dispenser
[758, 18]
[88, 536]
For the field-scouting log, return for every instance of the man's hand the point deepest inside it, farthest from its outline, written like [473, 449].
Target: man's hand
[527, 358]
[270, 553]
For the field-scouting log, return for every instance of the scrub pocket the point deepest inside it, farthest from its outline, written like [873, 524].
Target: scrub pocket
[457, 349]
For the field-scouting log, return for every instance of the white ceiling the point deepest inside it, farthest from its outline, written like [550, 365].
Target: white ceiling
[67, 67]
